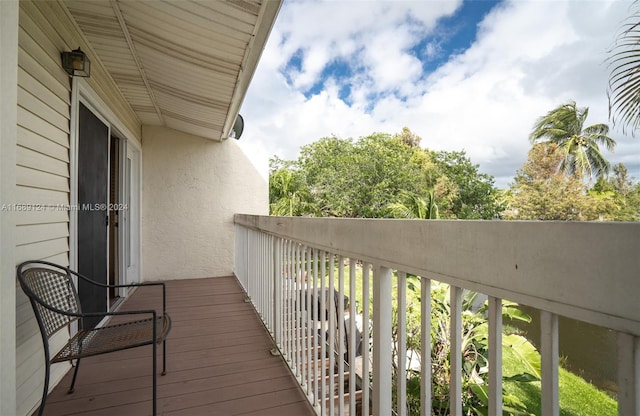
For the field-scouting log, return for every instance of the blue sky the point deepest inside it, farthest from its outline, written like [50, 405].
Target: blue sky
[470, 75]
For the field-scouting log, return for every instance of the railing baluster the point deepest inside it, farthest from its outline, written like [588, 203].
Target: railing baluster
[315, 309]
[322, 335]
[271, 287]
[255, 273]
[382, 310]
[259, 298]
[249, 262]
[277, 287]
[290, 293]
[628, 374]
[307, 316]
[401, 377]
[352, 336]
[322, 308]
[303, 319]
[289, 315]
[495, 356]
[298, 318]
[332, 336]
[266, 280]
[366, 340]
[425, 347]
[341, 340]
[550, 362]
[455, 392]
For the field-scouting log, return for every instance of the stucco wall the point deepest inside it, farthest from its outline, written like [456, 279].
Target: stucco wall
[191, 189]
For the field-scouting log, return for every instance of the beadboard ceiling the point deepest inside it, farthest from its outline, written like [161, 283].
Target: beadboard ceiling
[182, 64]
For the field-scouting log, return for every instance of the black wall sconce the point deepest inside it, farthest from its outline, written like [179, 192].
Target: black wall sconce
[76, 63]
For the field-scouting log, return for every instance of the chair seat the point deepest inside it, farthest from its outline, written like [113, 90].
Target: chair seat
[114, 337]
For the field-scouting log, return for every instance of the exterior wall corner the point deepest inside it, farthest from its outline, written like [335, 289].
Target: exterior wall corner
[8, 128]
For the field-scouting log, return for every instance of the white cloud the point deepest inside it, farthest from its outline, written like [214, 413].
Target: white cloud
[529, 57]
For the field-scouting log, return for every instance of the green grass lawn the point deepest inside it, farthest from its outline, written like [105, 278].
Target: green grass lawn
[577, 397]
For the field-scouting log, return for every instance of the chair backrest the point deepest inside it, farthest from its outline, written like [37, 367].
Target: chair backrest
[52, 294]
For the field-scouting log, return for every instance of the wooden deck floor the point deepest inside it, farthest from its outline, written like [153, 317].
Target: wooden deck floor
[218, 363]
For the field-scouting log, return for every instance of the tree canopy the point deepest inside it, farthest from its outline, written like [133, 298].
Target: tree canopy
[373, 176]
[541, 192]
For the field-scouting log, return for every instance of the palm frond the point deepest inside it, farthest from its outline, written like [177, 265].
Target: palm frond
[624, 80]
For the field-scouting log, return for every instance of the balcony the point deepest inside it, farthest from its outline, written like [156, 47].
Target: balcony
[224, 360]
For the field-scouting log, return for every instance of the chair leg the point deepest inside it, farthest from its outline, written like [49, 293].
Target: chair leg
[155, 365]
[45, 389]
[75, 374]
[164, 357]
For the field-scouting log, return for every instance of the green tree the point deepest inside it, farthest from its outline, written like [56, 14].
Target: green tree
[619, 197]
[564, 126]
[409, 137]
[360, 179]
[540, 192]
[624, 80]
[475, 195]
[373, 176]
[288, 193]
[415, 206]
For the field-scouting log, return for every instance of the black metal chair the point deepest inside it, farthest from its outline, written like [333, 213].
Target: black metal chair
[56, 305]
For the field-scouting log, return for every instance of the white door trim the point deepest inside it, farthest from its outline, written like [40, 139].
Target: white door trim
[131, 258]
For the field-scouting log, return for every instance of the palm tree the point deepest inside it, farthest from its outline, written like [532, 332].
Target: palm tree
[564, 126]
[624, 81]
[288, 196]
[415, 206]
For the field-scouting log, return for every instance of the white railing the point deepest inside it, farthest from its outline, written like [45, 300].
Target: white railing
[585, 271]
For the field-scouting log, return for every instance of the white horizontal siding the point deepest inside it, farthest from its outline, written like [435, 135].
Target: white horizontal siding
[28, 157]
[34, 233]
[31, 140]
[42, 178]
[36, 178]
[32, 122]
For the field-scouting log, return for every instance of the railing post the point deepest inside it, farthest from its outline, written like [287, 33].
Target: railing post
[382, 342]
[332, 327]
[323, 324]
[341, 336]
[401, 377]
[365, 341]
[455, 336]
[425, 343]
[495, 356]
[549, 356]
[628, 374]
[352, 336]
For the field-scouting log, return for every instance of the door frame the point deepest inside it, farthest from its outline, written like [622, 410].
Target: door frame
[81, 92]
[130, 248]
